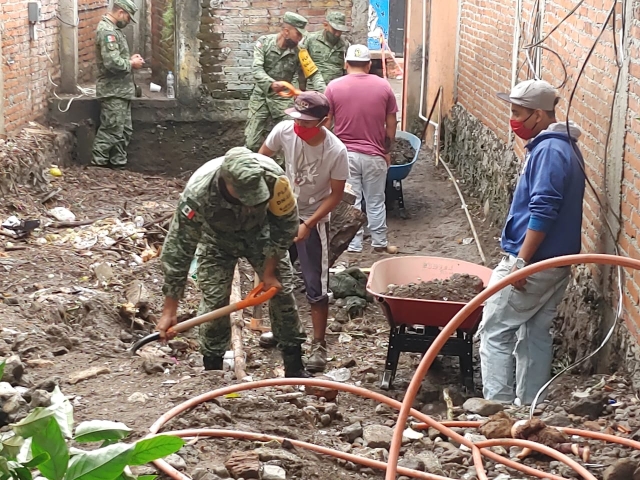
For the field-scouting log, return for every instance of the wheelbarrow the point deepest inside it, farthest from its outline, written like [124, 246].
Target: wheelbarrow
[415, 323]
[397, 173]
[255, 297]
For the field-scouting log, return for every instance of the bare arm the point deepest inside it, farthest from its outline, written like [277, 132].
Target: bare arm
[329, 203]
[264, 150]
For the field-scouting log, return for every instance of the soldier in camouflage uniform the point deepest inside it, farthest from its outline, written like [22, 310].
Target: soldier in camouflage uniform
[276, 58]
[328, 48]
[239, 205]
[114, 87]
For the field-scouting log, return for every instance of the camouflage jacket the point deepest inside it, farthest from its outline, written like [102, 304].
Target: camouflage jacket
[271, 64]
[205, 216]
[328, 58]
[115, 78]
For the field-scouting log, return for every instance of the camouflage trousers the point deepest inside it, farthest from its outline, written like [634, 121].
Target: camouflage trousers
[114, 133]
[215, 276]
[261, 120]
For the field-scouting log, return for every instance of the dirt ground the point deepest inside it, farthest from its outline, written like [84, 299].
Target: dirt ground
[64, 291]
[457, 288]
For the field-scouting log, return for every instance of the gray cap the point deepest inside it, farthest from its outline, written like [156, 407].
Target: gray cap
[533, 94]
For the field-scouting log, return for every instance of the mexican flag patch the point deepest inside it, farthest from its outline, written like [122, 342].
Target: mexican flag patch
[188, 212]
[111, 38]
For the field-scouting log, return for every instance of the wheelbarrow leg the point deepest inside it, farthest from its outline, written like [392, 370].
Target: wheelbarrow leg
[393, 356]
[403, 212]
[466, 361]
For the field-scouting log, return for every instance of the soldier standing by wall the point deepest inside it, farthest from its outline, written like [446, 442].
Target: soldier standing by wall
[328, 48]
[277, 58]
[114, 87]
[239, 205]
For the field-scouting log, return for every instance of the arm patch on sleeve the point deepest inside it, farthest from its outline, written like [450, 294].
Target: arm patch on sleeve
[187, 211]
[111, 38]
[283, 201]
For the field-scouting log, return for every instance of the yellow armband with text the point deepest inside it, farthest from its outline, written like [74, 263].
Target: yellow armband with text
[307, 64]
[283, 201]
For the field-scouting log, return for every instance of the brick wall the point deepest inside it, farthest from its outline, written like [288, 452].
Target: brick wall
[27, 63]
[485, 68]
[162, 39]
[30, 66]
[90, 13]
[229, 29]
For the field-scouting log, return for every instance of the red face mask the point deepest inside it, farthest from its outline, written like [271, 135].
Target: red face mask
[520, 130]
[306, 133]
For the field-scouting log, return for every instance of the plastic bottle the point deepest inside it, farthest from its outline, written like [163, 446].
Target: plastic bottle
[171, 93]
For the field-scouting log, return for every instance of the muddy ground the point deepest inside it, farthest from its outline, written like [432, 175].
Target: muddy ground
[457, 288]
[63, 298]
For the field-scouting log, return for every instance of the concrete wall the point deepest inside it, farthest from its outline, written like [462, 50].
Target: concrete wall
[481, 147]
[163, 43]
[90, 13]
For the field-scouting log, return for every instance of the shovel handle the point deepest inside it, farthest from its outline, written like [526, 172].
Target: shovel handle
[289, 91]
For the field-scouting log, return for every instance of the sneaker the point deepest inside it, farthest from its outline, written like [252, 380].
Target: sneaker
[317, 360]
[388, 249]
[267, 340]
[353, 250]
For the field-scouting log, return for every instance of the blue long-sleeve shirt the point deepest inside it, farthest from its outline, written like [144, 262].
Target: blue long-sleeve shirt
[548, 196]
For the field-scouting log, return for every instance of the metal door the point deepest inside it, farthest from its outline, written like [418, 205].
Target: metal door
[397, 14]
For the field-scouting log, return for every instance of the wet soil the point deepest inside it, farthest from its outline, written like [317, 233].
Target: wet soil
[402, 152]
[457, 288]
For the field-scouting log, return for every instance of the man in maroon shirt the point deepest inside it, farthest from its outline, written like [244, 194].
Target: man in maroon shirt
[363, 108]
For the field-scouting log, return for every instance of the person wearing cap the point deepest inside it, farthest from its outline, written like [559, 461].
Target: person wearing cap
[328, 48]
[239, 205]
[317, 165]
[363, 109]
[276, 59]
[544, 221]
[114, 86]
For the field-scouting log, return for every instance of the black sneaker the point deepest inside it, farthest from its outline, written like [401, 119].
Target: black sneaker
[293, 366]
[212, 363]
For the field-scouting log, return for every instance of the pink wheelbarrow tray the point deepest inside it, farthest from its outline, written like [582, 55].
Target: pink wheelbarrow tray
[415, 323]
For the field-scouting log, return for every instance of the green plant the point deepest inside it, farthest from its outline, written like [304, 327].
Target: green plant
[40, 441]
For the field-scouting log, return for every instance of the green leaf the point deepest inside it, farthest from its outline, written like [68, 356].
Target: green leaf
[2, 364]
[147, 477]
[101, 464]
[51, 441]
[127, 474]
[98, 430]
[37, 460]
[153, 448]
[21, 473]
[63, 411]
[11, 446]
[4, 467]
[33, 423]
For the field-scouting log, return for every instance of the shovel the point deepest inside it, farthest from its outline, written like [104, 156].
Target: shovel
[255, 297]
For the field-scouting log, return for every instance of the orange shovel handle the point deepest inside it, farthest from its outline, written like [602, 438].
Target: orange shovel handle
[290, 90]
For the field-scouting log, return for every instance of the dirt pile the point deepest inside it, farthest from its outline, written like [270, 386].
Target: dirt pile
[402, 152]
[457, 288]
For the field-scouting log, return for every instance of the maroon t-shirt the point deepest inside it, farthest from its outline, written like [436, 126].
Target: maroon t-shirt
[360, 103]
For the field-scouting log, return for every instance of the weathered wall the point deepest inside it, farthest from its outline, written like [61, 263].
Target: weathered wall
[417, 18]
[228, 32]
[90, 13]
[162, 40]
[478, 142]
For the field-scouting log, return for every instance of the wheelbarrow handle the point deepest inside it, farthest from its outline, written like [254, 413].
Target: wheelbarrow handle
[289, 91]
[255, 297]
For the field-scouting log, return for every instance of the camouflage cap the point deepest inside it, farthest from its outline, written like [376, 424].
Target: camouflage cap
[241, 168]
[338, 20]
[297, 21]
[128, 6]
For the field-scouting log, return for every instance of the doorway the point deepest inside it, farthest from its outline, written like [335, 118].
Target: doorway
[397, 18]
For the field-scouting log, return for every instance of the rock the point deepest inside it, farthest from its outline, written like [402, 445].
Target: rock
[204, 474]
[178, 345]
[40, 398]
[377, 436]
[557, 420]
[348, 363]
[431, 462]
[219, 413]
[335, 327]
[176, 461]
[243, 464]
[327, 393]
[331, 409]
[278, 455]
[39, 362]
[138, 397]
[452, 456]
[623, 469]
[591, 406]
[351, 432]
[273, 472]
[325, 420]
[125, 336]
[483, 407]
[412, 463]
[383, 409]
[152, 367]
[88, 373]
[220, 470]
[13, 370]
[48, 384]
[12, 405]
[59, 351]
[591, 425]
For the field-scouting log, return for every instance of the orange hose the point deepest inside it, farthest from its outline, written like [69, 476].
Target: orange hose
[192, 402]
[463, 314]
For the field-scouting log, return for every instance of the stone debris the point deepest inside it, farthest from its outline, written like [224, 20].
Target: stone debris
[482, 407]
[87, 374]
[243, 465]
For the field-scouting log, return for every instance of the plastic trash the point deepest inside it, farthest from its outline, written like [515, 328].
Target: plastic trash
[339, 374]
[62, 214]
[171, 93]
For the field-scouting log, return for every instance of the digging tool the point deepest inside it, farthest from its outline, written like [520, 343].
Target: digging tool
[290, 90]
[255, 297]
[256, 317]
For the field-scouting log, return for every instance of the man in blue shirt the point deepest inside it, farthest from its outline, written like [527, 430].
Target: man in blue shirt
[544, 221]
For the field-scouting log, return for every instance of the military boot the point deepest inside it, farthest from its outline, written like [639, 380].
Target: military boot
[293, 366]
[212, 362]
